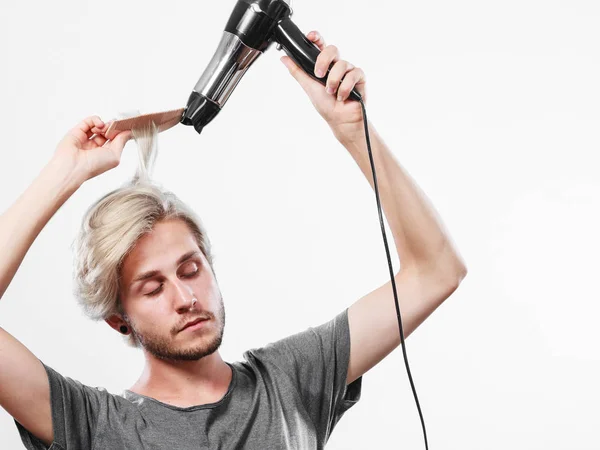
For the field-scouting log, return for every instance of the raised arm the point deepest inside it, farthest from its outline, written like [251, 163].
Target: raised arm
[430, 267]
[24, 389]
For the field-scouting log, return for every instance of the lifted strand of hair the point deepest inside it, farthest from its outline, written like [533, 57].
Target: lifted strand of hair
[146, 137]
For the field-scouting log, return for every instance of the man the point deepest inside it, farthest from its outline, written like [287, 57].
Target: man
[144, 265]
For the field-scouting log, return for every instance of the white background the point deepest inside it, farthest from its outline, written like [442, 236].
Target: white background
[494, 109]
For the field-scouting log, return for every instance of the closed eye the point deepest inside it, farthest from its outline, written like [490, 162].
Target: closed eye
[159, 288]
[190, 275]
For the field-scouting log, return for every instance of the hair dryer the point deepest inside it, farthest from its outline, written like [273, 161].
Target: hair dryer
[251, 29]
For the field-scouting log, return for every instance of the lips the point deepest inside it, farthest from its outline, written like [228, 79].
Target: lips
[192, 323]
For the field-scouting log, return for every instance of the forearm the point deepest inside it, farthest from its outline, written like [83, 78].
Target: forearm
[23, 221]
[418, 234]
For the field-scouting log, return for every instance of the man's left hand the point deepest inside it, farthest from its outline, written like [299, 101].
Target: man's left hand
[343, 115]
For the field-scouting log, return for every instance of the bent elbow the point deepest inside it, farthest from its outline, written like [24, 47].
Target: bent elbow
[461, 273]
[451, 276]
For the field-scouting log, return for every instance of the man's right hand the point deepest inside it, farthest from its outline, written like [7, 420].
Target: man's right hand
[86, 152]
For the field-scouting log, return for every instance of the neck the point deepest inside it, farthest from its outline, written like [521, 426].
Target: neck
[184, 383]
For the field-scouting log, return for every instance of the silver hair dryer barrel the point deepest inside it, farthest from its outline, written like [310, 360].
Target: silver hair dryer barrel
[247, 35]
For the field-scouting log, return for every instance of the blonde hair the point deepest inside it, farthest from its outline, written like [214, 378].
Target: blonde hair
[113, 224]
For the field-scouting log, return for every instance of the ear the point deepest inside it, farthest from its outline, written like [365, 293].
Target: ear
[115, 321]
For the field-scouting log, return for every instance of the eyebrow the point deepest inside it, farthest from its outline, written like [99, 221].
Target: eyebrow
[152, 273]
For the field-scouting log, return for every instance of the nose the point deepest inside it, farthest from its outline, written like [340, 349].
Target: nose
[183, 297]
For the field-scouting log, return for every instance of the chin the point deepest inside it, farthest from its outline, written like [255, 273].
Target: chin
[192, 351]
[196, 352]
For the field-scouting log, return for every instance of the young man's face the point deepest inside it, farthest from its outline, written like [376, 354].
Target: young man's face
[158, 307]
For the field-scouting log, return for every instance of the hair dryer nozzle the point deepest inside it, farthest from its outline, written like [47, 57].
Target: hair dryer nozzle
[199, 111]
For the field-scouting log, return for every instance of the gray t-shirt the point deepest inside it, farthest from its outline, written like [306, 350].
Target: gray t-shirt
[287, 395]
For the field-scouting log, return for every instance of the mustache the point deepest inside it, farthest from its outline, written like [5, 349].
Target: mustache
[206, 316]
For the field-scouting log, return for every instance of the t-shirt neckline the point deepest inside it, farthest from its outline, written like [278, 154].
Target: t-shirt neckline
[232, 385]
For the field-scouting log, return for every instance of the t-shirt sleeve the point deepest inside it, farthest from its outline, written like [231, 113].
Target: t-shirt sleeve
[316, 360]
[75, 408]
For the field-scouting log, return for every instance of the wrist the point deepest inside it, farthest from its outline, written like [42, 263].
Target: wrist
[354, 136]
[64, 177]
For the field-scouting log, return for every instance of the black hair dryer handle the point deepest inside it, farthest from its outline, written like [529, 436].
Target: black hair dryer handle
[302, 51]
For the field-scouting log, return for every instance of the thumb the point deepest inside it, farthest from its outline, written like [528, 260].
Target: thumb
[307, 83]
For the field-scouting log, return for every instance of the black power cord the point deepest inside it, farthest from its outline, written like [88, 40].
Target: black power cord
[387, 251]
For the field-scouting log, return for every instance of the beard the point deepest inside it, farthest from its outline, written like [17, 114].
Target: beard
[163, 348]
